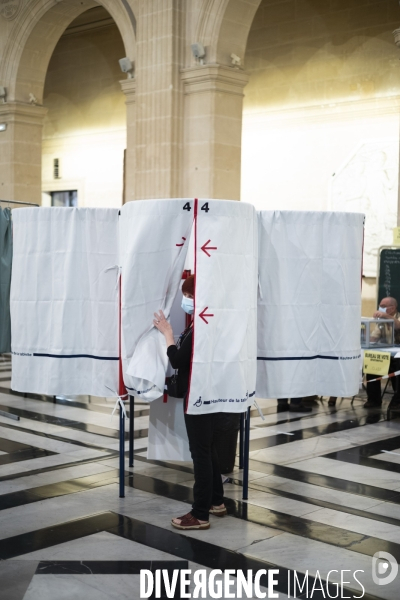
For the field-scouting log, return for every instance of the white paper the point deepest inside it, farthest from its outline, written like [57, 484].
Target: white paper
[167, 431]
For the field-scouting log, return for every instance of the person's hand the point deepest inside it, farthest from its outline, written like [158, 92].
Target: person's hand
[161, 323]
[381, 315]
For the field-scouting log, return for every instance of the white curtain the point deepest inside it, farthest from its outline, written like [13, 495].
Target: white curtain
[154, 238]
[64, 301]
[223, 374]
[309, 304]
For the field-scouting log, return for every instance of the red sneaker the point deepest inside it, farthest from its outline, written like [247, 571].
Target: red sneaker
[189, 522]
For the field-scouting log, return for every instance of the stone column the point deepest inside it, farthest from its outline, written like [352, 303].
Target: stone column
[158, 98]
[129, 88]
[396, 34]
[213, 105]
[21, 152]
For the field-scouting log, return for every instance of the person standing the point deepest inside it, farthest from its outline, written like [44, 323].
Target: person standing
[202, 430]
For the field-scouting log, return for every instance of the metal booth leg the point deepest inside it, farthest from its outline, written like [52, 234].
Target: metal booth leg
[241, 440]
[131, 428]
[246, 457]
[121, 452]
[8, 415]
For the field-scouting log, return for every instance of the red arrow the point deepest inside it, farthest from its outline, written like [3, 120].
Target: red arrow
[203, 314]
[180, 245]
[205, 248]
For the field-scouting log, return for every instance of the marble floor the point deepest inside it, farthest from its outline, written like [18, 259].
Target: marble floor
[324, 498]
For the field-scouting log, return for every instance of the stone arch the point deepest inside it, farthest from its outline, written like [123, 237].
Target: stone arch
[223, 27]
[35, 34]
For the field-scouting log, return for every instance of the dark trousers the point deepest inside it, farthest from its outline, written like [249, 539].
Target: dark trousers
[374, 391]
[292, 400]
[208, 490]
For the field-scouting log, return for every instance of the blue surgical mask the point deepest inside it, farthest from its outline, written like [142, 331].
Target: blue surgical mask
[188, 305]
[381, 309]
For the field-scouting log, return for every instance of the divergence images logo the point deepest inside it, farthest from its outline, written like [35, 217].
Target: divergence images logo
[384, 568]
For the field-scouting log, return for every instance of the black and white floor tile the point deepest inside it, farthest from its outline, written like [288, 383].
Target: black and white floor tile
[324, 495]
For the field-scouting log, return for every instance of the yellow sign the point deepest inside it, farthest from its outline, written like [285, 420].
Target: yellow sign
[396, 236]
[376, 363]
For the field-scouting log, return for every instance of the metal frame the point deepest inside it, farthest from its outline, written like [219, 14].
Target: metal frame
[20, 202]
[246, 451]
[241, 439]
[131, 428]
[8, 415]
[121, 453]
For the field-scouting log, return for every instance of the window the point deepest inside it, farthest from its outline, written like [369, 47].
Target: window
[56, 168]
[67, 198]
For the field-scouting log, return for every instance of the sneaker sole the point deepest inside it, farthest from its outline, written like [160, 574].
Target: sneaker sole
[204, 526]
[219, 513]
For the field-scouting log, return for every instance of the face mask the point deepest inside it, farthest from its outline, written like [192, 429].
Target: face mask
[381, 309]
[188, 305]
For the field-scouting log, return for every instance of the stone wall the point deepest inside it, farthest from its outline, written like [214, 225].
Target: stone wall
[85, 126]
[321, 112]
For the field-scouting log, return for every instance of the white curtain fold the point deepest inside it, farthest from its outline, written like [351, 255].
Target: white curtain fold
[154, 239]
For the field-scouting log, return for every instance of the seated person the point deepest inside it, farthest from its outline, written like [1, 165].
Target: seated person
[387, 310]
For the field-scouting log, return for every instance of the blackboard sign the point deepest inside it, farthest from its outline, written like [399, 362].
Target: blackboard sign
[388, 283]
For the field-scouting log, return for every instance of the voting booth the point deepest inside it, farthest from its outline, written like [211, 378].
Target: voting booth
[309, 304]
[277, 303]
[65, 304]
[154, 238]
[64, 301]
